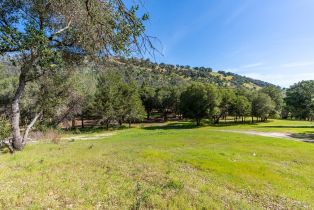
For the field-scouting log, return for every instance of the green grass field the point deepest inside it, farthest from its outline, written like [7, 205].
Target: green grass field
[176, 166]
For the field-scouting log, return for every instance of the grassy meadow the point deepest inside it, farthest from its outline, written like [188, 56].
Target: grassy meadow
[174, 166]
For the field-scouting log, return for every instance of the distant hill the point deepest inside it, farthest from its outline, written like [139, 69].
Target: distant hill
[157, 75]
[160, 74]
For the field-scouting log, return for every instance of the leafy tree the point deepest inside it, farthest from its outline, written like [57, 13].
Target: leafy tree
[107, 97]
[43, 36]
[79, 97]
[241, 107]
[148, 99]
[198, 101]
[227, 99]
[133, 108]
[262, 106]
[5, 131]
[167, 100]
[276, 95]
[300, 100]
[116, 100]
[7, 86]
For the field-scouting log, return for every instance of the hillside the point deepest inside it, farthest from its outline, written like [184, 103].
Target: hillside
[157, 75]
[160, 74]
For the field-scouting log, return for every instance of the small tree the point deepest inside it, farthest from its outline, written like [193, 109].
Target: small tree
[107, 97]
[276, 94]
[167, 100]
[148, 99]
[227, 99]
[262, 106]
[133, 108]
[241, 107]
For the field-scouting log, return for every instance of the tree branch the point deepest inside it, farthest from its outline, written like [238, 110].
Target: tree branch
[29, 127]
[62, 29]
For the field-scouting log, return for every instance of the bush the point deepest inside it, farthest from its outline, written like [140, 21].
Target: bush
[5, 128]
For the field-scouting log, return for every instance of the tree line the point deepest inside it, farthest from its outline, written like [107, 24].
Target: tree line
[111, 97]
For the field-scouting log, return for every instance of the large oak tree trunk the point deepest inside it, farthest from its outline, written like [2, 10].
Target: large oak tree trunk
[17, 140]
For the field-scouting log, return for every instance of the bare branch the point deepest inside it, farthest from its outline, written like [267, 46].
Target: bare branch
[29, 127]
[63, 29]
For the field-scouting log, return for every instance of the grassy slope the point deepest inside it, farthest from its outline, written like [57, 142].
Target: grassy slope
[164, 167]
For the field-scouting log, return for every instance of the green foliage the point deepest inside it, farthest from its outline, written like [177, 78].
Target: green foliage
[8, 82]
[148, 99]
[241, 107]
[262, 106]
[300, 100]
[133, 109]
[168, 99]
[5, 128]
[227, 99]
[276, 94]
[106, 96]
[117, 100]
[198, 101]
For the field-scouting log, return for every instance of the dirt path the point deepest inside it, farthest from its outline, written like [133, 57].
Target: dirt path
[295, 137]
[88, 137]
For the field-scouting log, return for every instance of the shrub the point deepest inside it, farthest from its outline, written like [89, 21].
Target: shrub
[5, 128]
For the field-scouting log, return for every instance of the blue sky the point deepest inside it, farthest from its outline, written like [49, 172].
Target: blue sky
[271, 40]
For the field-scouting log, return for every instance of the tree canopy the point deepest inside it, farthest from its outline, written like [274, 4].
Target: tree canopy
[198, 101]
[300, 100]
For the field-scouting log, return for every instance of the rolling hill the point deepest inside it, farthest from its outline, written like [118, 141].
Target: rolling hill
[161, 74]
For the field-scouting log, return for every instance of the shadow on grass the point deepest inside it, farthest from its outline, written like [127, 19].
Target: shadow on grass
[226, 124]
[90, 130]
[290, 126]
[192, 125]
[305, 137]
[173, 126]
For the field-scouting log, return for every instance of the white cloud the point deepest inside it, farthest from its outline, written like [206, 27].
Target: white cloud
[252, 65]
[297, 64]
[282, 79]
[283, 75]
